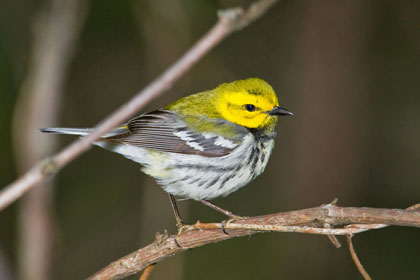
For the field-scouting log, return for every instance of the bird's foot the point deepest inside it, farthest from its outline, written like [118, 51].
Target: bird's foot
[233, 218]
[183, 228]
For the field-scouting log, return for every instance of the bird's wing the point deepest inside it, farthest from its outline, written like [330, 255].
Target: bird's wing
[165, 131]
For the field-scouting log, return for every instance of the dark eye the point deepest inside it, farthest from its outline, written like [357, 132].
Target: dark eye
[249, 107]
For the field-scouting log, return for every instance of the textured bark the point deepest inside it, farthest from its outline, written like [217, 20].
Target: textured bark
[327, 220]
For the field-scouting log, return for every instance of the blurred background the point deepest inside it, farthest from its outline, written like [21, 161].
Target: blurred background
[349, 70]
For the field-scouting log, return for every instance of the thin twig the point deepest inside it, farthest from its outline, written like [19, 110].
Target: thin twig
[356, 259]
[343, 221]
[229, 21]
[335, 242]
[147, 272]
[282, 228]
[333, 238]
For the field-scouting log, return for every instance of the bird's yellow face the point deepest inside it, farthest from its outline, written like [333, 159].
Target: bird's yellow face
[246, 109]
[250, 103]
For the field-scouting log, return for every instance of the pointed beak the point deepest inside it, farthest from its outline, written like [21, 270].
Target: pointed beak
[279, 111]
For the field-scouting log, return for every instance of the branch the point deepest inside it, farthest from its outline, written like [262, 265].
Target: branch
[230, 20]
[147, 271]
[340, 221]
[356, 260]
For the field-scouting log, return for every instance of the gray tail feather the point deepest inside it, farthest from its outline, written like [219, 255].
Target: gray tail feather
[65, 130]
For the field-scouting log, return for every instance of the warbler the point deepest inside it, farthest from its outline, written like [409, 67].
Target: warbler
[204, 145]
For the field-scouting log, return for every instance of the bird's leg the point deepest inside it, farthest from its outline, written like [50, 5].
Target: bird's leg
[232, 216]
[179, 222]
[221, 210]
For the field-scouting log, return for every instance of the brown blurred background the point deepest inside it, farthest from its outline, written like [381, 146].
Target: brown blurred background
[349, 70]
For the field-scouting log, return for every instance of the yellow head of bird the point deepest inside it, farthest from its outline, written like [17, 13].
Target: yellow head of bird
[250, 103]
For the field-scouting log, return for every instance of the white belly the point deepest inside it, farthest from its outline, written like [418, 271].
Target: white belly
[198, 177]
